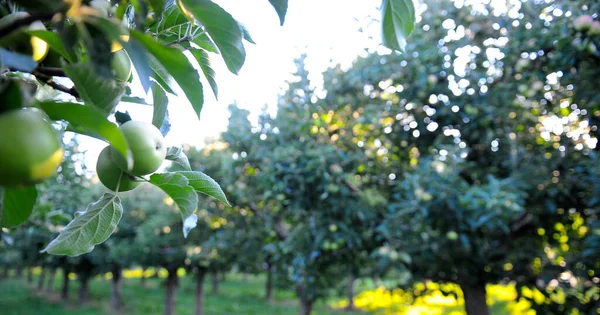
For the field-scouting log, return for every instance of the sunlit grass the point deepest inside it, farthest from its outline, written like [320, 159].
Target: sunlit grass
[501, 298]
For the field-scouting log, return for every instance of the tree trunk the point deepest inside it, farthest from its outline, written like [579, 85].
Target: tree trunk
[50, 283]
[269, 284]
[171, 287]
[29, 275]
[5, 272]
[116, 300]
[143, 279]
[65, 285]
[305, 307]
[19, 272]
[350, 293]
[245, 277]
[475, 299]
[84, 279]
[215, 283]
[41, 279]
[377, 281]
[200, 292]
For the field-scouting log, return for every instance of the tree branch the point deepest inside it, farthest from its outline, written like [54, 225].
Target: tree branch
[51, 71]
[48, 80]
[18, 23]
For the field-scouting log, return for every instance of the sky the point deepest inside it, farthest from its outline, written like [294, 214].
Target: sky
[328, 31]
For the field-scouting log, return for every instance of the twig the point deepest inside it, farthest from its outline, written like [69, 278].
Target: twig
[18, 23]
[48, 80]
[51, 71]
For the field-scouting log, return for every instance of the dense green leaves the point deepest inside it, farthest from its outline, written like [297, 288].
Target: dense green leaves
[17, 205]
[222, 28]
[94, 90]
[54, 42]
[88, 121]
[178, 66]
[398, 21]
[89, 228]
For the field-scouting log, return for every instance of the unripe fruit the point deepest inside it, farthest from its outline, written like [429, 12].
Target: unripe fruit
[109, 173]
[121, 65]
[147, 147]
[30, 148]
[583, 22]
[594, 29]
[21, 42]
[451, 235]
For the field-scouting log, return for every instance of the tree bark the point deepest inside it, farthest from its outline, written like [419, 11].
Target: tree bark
[29, 275]
[350, 292]
[200, 292]
[41, 279]
[5, 272]
[50, 283]
[475, 299]
[269, 284]
[171, 287]
[116, 299]
[64, 295]
[84, 279]
[306, 305]
[143, 279]
[215, 282]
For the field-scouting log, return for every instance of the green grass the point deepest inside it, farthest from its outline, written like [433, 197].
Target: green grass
[236, 297]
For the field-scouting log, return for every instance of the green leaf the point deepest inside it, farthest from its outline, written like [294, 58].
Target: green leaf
[246, 34]
[176, 186]
[178, 157]
[17, 205]
[133, 99]
[398, 21]
[88, 121]
[222, 28]
[162, 76]
[178, 66]
[88, 229]
[206, 43]
[206, 185]
[94, 90]
[160, 100]
[202, 58]
[54, 42]
[157, 6]
[280, 7]
[16, 61]
[41, 5]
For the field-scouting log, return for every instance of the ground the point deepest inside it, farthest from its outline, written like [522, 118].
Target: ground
[237, 296]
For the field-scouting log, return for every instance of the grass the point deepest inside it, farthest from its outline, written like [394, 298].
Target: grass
[237, 296]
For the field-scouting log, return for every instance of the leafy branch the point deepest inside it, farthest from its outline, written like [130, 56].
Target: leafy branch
[24, 21]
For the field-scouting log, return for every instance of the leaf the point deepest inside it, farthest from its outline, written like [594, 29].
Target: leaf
[157, 6]
[41, 5]
[280, 7]
[222, 28]
[133, 99]
[398, 21]
[17, 205]
[177, 155]
[205, 184]
[88, 229]
[189, 224]
[162, 76]
[88, 121]
[94, 90]
[246, 34]
[54, 42]
[177, 64]
[206, 43]
[176, 186]
[160, 100]
[202, 58]
[16, 61]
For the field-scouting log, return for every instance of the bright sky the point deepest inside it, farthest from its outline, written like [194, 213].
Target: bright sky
[326, 30]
